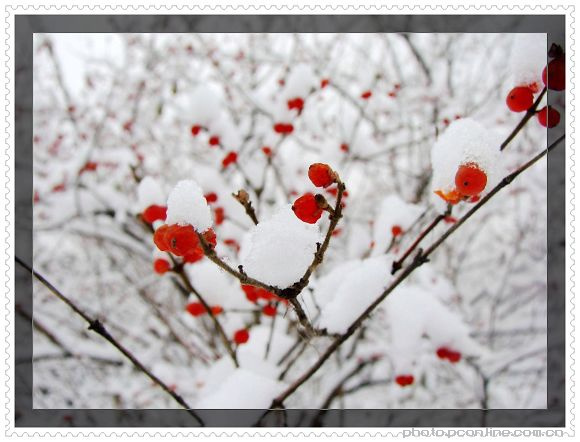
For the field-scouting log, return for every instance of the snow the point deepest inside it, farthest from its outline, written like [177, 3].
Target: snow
[393, 211]
[300, 82]
[279, 250]
[412, 312]
[242, 389]
[528, 59]
[187, 205]
[150, 192]
[216, 287]
[464, 141]
[356, 291]
[204, 105]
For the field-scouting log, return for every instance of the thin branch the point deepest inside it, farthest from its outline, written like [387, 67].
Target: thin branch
[420, 258]
[243, 198]
[96, 326]
[529, 114]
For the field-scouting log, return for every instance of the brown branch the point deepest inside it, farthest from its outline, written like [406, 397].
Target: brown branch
[96, 326]
[397, 265]
[243, 198]
[420, 258]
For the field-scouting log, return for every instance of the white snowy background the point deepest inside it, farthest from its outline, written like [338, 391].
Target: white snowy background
[125, 104]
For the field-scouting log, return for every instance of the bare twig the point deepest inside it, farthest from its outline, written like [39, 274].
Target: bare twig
[96, 326]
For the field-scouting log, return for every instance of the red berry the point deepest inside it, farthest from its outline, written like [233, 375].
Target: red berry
[90, 166]
[442, 352]
[59, 187]
[219, 215]
[336, 232]
[154, 213]
[160, 237]
[554, 75]
[128, 126]
[321, 175]
[344, 147]
[195, 308]
[267, 151]
[182, 240]
[230, 158]
[446, 121]
[296, 103]
[306, 208]
[520, 99]
[324, 82]
[161, 266]
[232, 243]
[470, 180]
[241, 336]
[283, 128]
[366, 95]
[392, 94]
[251, 292]
[548, 116]
[216, 310]
[450, 219]
[193, 255]
[404, 380]
[214, 140]
[195, 130]
[211, 197]
[396, 230]
[453, 356]
[269, 310]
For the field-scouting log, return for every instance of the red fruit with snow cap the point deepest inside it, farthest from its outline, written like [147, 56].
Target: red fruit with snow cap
[470, 180]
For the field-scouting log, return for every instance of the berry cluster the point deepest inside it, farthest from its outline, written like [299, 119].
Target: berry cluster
[521, 98]
[257, 294]
[470, 181]
[309, 207]
[182, 240]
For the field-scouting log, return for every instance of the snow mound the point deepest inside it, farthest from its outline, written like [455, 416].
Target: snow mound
[357, 290]
[242, 389]
[464, 141]
[413, 312]
[216, 287]
[528, 59]
[393, 211]
[187, 205]
[149, 192]
[279, 250]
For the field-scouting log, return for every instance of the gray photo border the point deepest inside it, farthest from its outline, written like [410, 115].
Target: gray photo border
[26, 416]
